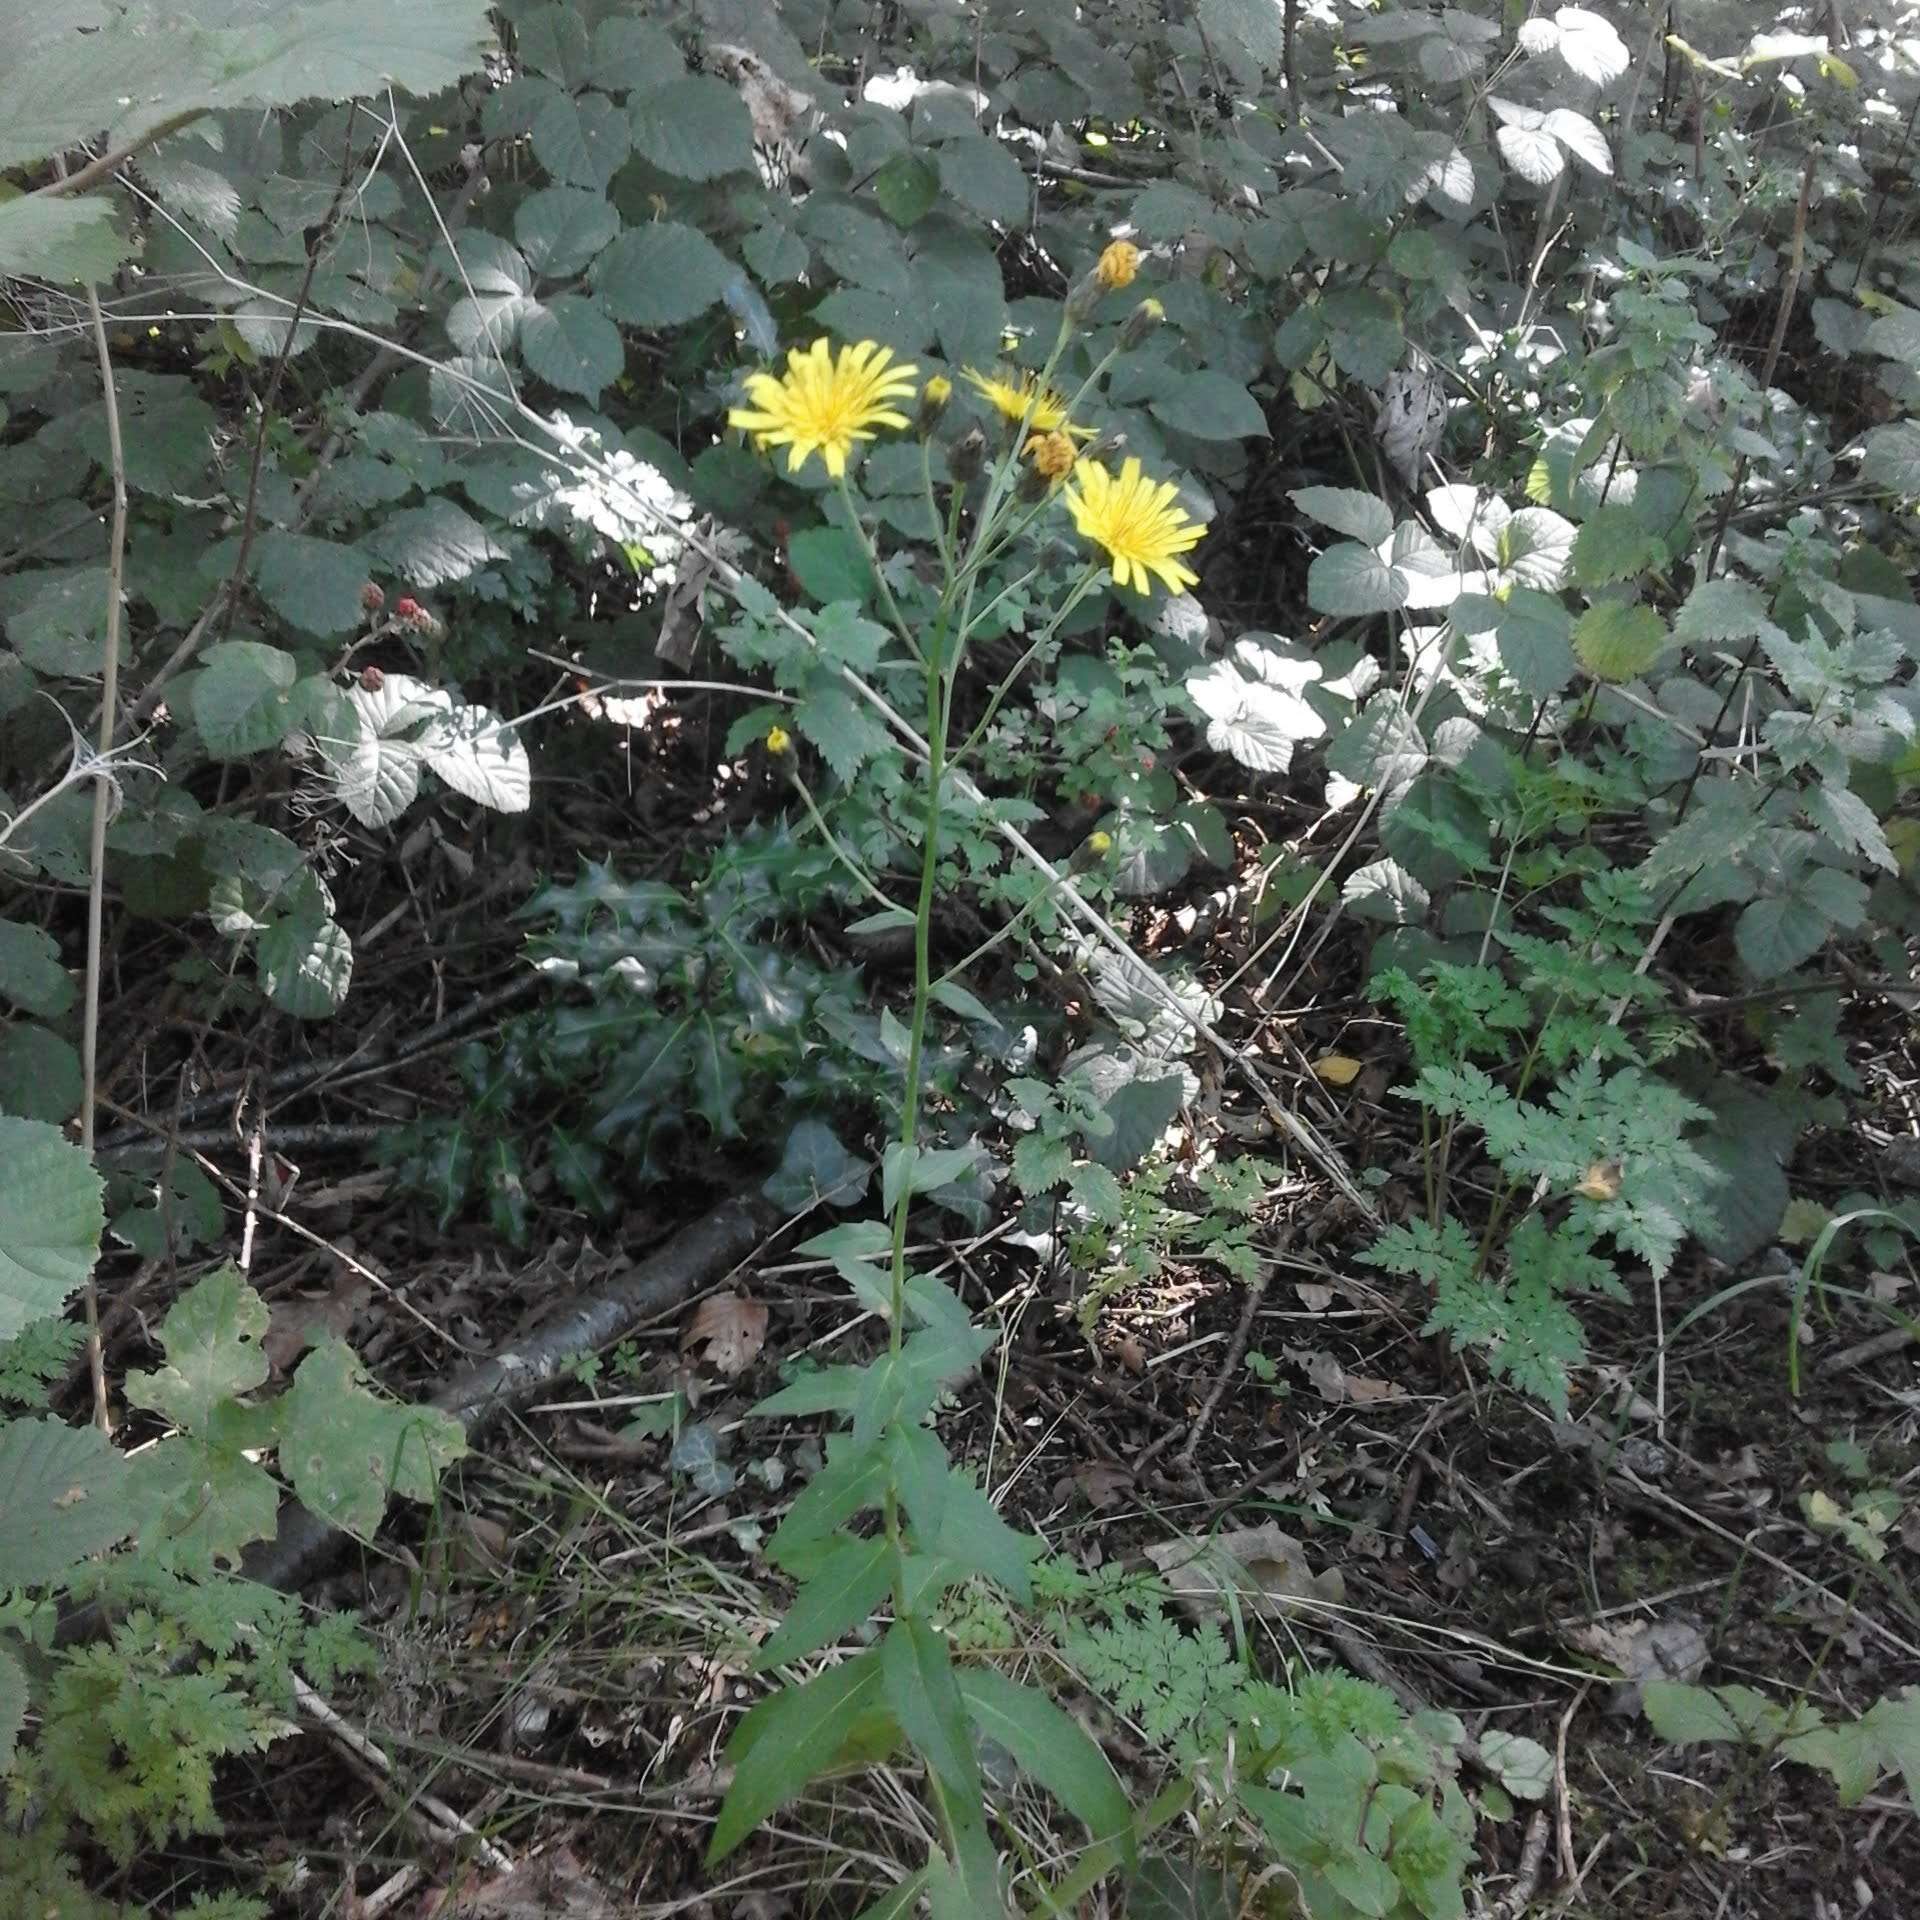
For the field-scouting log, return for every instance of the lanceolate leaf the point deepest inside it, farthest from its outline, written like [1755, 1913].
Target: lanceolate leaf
[842, 1593]
[921, 1692]
[787, 1741]
[1051, 1747]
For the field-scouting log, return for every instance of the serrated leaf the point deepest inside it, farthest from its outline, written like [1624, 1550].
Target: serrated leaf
[345, 1449]
[1720, 611]
[31, 975]
[481, 757]
[983, 176]
[1525, 1767]
[1613, 545]
[561, 229]
[241, 699]
[906, 187]
[1533, 153]
[1590, 46]
[436, 545]
[1891, 457]
[1040, 1162]
[786, 1740]
[51, 1219]
[841, 727]
[39, 1073]
[13, 1681]
[570, 344]
[1350, 579]
[63, 1497]
[200, 1503]
[311, 584]
[1581, 138]
[696, 129]
[306, 964]
[1617, 642]
[71, 240]
[211, 1337]
[1360, 516]
[1688, 1714]
[1209, 406]
[581, 139]
[660, 275]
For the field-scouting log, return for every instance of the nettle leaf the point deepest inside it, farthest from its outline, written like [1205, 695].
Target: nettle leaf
[31, 975]
[211, 1337]
[1776, 933]
[1891, 456]
[661, 275]
[696, 129]
[1209, 406]
[1617, 642]
[1351, 579]
[1718, 612]
[240, 698]
[570, 344]
[63, 1498]
[1360, 516]
[51, 1217]
[1849, 823]
[345, 1448]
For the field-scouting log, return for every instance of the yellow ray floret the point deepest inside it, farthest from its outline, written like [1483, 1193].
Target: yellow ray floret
[823, 405]
[1137, 521]
[1022, 399]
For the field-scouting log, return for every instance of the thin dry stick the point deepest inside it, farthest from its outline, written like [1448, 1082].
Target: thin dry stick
[103, 791]
[448, 1824]
[1519, 1896]
[1229, 1367]
[1563, 1800]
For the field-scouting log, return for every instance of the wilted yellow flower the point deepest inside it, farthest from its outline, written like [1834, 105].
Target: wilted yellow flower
[1119, 261]
[1053, 455]
[823, 405]
[1021, 398]
[1138, 521]
[779, 742]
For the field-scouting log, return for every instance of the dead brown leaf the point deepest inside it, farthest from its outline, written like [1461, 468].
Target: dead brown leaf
[1313, 1296]
[304, 1320]
[1104, 1483]
[1336, 1385]
[730, 1328]
[555, 1886]
[1263, 1567]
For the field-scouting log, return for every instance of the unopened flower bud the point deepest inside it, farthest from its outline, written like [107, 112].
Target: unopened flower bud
[967, 456]
[1141, 322]
[1091, 851]
[1118, 263]
[780, 743]
[1103, 447]
[372, 679]
[1032, 486]
[373, 596]
[933, 403]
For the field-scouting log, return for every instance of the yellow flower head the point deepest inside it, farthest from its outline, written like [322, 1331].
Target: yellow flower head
[939, 390]
[823, 405]
[1119, 261]
[1137, 521]
[779, 742]
[1099, 845]
[1023, 400]
[1053, 455]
